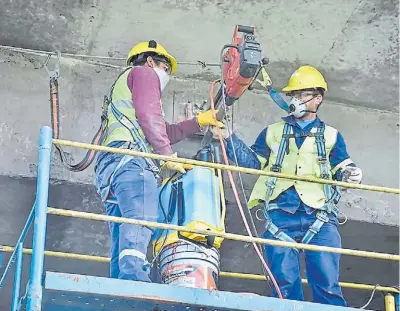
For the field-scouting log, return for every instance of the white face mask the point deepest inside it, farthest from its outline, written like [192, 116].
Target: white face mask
[163, 76]
[297, 108]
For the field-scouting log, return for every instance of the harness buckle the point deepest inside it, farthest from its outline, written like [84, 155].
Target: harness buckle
[323, 216]
[276, 168]
[325, 175]
[322, 159]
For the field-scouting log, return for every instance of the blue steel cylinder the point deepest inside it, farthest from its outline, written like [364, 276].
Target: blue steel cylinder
[205, 155]
[34, 297]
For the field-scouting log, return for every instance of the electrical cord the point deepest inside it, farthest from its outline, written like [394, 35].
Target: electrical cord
[371, 297]
[258, 248]
[161, 231]
[241, 210]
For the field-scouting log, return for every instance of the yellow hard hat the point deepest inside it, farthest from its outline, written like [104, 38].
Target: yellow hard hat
[305, 77]
[152, 46]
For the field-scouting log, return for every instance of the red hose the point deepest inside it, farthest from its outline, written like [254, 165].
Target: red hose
[232, 182]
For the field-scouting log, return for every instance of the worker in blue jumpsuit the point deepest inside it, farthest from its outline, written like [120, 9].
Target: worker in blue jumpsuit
[296, 211]
[128, 185]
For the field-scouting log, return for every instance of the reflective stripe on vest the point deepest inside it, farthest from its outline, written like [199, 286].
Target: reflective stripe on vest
[300, 162]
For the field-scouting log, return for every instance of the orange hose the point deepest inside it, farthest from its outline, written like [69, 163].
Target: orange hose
[232, 182]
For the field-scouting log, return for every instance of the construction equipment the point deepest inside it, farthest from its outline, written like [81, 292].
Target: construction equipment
[196, 198]
[241, 63]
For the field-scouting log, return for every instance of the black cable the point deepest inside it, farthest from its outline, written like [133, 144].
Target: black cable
[165, 216]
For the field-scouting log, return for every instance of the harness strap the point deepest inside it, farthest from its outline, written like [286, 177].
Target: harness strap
[138, 141]
[105, 192]
[277, 167]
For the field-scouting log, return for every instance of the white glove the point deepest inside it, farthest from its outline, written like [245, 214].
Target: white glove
[352, 175]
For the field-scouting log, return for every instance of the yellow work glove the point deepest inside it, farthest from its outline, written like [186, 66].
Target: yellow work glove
[207, 118]
[174, 166]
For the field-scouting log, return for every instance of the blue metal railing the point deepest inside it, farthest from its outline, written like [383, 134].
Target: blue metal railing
[34, 298]
[38, 215]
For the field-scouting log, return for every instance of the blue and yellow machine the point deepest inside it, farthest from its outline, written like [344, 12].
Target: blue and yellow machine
[195, 200]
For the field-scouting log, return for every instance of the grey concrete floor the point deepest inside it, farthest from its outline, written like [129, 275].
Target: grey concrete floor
[91, 237]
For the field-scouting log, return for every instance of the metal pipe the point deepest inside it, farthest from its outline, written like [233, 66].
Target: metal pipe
[34, 297]
[389, 303]
[20, 239]
[17, 278]
[246, 276]
[225, 167]
[229, 236]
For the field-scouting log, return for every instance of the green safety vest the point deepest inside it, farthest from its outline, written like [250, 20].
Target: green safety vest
[300, 162]
[121, 97]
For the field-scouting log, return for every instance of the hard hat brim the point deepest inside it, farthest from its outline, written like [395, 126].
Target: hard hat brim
[172, 60]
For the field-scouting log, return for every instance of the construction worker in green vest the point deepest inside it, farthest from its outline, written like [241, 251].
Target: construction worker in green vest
[128, 185]
[297, 211]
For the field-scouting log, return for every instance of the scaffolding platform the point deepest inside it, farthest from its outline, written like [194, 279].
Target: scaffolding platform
[62, 291]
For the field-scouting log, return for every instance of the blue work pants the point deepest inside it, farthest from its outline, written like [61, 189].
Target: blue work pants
[322, 268]
[132, 194]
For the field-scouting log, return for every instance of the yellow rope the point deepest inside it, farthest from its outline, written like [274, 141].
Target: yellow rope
[230, 236]
[224, 167]
[236, 275]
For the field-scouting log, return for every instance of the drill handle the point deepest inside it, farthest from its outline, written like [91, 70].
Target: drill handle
[246, 29]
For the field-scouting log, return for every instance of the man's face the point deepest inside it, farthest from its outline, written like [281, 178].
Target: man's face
[161, 65]
[310, 98]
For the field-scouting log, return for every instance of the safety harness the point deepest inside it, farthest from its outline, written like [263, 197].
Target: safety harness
[138, 143]
[332, 197]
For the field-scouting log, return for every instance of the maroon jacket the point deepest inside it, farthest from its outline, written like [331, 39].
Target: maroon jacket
[146, 95]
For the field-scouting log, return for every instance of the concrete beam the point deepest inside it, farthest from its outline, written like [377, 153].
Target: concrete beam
[354, 43]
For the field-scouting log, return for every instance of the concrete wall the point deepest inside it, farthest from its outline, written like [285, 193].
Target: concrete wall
[371, 135]
[354, 43]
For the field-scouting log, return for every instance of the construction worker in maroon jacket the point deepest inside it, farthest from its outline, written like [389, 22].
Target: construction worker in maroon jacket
[128, 185]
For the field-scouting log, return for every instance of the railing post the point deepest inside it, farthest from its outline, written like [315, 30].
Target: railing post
[34, 297]
[17, 278]
[389, 303]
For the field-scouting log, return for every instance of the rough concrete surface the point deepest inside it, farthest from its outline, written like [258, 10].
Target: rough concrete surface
[371, 135]
[354, 43]
[91, 237]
